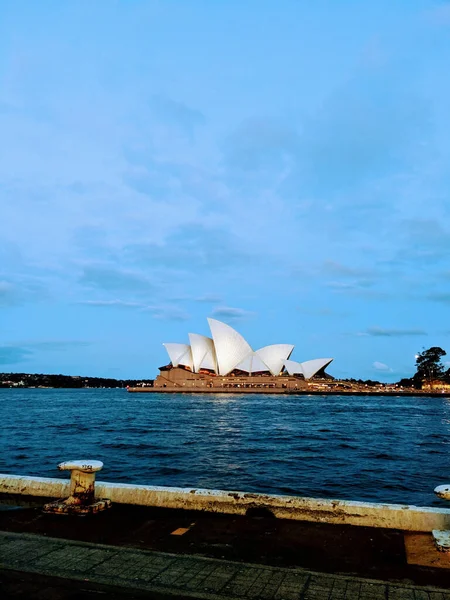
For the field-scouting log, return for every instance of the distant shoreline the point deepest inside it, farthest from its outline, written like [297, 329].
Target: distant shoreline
[56, 381]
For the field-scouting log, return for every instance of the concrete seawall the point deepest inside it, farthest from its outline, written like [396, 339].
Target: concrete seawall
[390, 516]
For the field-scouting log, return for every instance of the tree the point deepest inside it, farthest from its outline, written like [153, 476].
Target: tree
[428, 365]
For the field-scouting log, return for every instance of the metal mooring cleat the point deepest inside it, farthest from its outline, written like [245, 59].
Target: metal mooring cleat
[442, 537]
[82, 499]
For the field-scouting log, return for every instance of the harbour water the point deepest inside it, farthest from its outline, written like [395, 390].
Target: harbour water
[382, 449]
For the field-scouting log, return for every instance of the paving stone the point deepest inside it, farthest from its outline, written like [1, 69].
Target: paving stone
[121, 566]
[421, 595]
[210, 578]
[339, 588]
[291, 587]
[4, 540]
[24, 551]
[219, 578]
[260, 583]
[243, 580]
[372, 591]
[319, 587]
[179, 572]
[352, 590]
[400, 593]
[199, 578]
[268, 584]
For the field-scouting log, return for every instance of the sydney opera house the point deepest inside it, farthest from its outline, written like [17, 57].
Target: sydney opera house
[226, 361]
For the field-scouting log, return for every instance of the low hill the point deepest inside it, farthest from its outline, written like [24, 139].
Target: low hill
[27, 380]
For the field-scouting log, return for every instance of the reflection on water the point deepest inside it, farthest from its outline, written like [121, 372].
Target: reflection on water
[221, 398]
[390, 449]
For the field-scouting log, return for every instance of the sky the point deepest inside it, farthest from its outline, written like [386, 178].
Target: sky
[283, 166]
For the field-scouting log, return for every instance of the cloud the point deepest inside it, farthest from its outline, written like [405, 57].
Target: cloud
[439, 15]
[379, 366]
[168, 313]
[167, 179]
[322, 312]
[163, 312]
[204, 299]
[381, 332]
[362, 288]
[349, 286]
[113, 304]
[53, 345]
[159, 179]
[193, 247]
[232, 314]
[423, 240]
[443, 297]
[208, 299]
[114, 279]
[177, 114]
[10, 355]
[20, 290]
[331, 267]
[259, 143]
[361, 132]
[21, 351]
[8, 294]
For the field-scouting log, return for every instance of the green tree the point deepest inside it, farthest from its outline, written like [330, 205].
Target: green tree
[428, 364]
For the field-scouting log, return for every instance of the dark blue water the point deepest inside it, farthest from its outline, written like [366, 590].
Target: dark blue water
[390, 449]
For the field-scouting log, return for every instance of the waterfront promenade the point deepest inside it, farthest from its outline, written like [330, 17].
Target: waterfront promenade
[136, 552]
[34, 567]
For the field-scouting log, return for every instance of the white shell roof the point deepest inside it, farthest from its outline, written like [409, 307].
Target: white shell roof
[228, 350]
[252, 364]
[179, 354]
[310, 367]
[231, 347]
[203, 352]
[293, 367]
[274, 356]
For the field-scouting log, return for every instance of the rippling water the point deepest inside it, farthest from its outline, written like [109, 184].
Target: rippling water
[390, 449]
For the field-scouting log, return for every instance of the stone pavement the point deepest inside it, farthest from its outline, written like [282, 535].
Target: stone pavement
[180, 576]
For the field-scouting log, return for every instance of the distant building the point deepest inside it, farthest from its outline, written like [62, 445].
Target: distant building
[435, 385]
[227, 360]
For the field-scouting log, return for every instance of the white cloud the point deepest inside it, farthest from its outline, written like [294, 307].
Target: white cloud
[379, 366]
[385, 332]
[228, 312]
[112, 303]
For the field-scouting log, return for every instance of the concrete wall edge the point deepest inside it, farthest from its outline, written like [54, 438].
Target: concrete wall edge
[344, 512]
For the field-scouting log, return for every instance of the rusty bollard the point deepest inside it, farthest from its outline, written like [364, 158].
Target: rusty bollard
[82, 499]
[442, 536]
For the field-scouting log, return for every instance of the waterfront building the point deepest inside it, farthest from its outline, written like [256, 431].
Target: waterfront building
[227, 360]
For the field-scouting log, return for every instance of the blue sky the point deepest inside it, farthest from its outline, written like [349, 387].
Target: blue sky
[281, 166]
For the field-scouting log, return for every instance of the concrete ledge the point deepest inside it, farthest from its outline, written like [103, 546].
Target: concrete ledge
[46, 487]
[343, 512]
